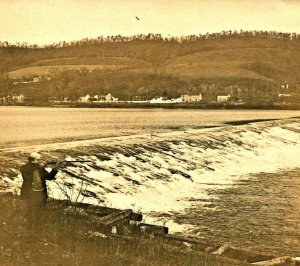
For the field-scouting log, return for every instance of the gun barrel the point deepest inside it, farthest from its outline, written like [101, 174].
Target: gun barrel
[65, 162]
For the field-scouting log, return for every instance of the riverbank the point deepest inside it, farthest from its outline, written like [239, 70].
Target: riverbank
[68, 238]
[137, 105]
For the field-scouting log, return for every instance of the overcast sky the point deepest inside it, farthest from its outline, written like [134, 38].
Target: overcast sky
[47, 21]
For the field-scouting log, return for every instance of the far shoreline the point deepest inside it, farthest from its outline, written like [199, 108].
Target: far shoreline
[125, 105]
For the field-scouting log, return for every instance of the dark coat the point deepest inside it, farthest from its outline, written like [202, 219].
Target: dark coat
[27, 175]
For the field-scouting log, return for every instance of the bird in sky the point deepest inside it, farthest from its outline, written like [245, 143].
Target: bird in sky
[137, 18]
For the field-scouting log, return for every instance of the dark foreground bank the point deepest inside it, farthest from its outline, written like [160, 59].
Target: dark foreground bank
[66, 237]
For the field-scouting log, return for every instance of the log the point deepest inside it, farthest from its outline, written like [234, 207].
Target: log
[103, 211]
[93, 209]
[115, 218]
[153, 229]
[136, 217]
[142, 228]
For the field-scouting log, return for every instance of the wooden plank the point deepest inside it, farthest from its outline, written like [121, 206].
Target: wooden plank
[93, 209]
[143, 228]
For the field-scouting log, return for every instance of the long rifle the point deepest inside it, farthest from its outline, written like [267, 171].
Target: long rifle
[62, 163]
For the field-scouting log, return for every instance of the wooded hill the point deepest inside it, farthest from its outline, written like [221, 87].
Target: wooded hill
[150, 65]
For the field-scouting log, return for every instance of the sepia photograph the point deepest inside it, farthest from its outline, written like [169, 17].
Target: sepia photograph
[150, 132]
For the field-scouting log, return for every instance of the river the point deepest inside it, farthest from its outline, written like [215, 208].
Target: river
[191, 170]
[35, 125]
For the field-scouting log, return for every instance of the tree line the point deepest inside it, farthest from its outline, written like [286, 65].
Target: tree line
[152, 48]
[155, 38]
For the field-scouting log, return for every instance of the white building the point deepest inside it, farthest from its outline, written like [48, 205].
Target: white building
[36, 79]
[18, 98]
[223, 98]
[108, 98]
[95, 98]
[85, 98]
[105, 98]
[191, 98]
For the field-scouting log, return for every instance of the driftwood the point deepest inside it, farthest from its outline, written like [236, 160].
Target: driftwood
[153, 229]
[148, 229]
[120, 217]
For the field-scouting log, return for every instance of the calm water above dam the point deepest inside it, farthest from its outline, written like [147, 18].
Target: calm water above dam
[33, 125]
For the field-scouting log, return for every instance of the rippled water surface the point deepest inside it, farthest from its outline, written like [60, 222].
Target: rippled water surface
[32, 125]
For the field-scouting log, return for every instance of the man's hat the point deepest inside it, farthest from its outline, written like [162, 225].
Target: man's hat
[34, 156]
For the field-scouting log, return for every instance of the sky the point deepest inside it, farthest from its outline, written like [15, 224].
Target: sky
[48, 21]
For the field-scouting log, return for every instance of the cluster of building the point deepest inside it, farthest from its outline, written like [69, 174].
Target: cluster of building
[12, 99]
[182, 99]
[233, 95]
[98, 98]
[107, 98]
[185, 98]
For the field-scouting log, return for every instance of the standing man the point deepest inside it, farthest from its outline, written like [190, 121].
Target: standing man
[34, 189]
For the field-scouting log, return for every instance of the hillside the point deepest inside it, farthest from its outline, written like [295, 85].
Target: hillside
[153, 67]
[44, 67]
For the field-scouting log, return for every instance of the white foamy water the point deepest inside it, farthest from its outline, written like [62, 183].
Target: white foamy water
[164, 174]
